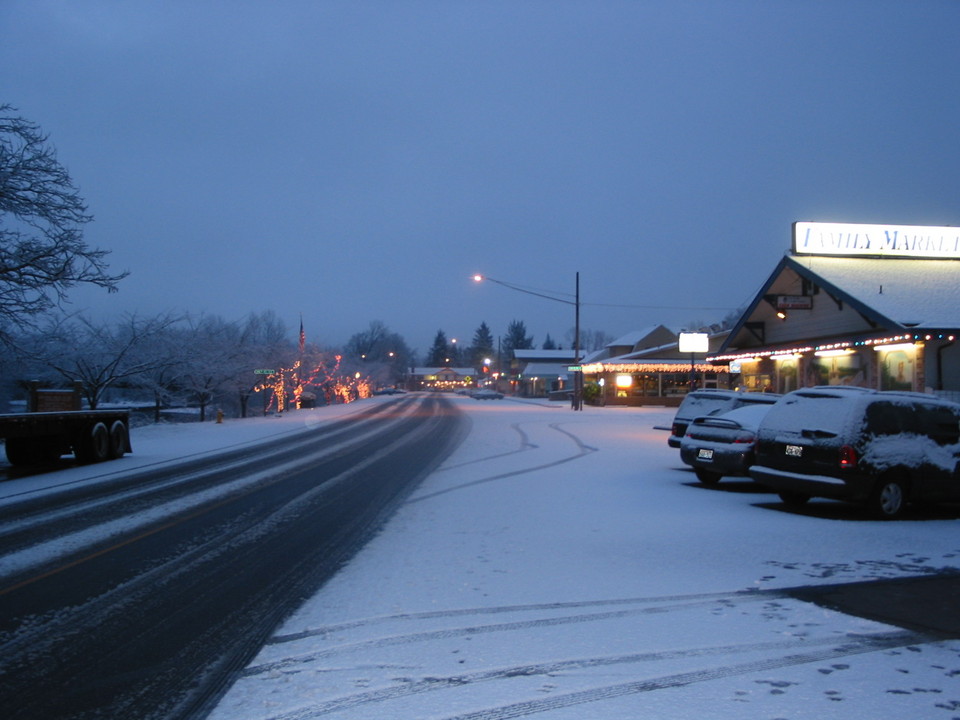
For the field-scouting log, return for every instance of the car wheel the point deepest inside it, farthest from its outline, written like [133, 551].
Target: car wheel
[889, 499]
[707, 477]
[793, 499]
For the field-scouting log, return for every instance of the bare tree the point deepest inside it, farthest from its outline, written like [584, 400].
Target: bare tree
[590, 340]
[42, 250]
[380, 355]
[209, 347]
[258, 342]
[97, 356]
[162, 377]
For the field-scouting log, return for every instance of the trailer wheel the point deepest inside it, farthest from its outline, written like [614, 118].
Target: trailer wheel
[118, 439]
[93, 445]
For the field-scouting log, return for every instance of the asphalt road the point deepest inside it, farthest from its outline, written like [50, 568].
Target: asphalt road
[155, 623]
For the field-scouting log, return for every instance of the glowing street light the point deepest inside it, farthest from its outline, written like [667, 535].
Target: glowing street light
[578, 375]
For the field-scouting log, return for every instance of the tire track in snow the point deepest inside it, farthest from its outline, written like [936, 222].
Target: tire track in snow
[608, 692]
[486, 629]
[501, 609]
[525, 445]
[582, 450]
[830, 648]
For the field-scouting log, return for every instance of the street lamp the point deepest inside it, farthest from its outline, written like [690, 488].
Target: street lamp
[577, 374]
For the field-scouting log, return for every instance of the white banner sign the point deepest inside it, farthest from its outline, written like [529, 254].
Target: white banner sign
[915, 241]
[693, 342]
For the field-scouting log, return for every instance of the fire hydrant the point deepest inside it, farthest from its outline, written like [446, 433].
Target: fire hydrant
[219, 415]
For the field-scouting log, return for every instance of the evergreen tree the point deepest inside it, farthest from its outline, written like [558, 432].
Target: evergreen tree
[482, 346]
[454, 354]
[516, 337]
[549, 344]
[440, 352]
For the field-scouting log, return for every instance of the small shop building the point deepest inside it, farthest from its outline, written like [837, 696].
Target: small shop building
[869, 305]
[541, 373]
[441, 378]
[648, 367]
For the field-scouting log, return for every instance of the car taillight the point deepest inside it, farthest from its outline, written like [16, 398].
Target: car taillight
[676, 430]
[745, 438]
[848, 458]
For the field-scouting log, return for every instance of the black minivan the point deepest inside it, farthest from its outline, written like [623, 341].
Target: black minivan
[883, 449]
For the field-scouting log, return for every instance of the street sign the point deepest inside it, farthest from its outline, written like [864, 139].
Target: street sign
[264, 372]
[574, 368]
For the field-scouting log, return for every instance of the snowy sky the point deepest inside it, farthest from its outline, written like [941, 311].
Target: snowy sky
[357, 161]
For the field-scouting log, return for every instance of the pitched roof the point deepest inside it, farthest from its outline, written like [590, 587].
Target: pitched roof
[546, 370]
[632, 338]
[906, 292]
[534, 355]
[890, 293]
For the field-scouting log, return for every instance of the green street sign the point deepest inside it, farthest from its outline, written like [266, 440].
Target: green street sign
[264, 372]
[574, 368]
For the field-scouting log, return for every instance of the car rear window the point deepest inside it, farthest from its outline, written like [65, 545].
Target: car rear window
[748, 416]
[699, 405]
[799, 411]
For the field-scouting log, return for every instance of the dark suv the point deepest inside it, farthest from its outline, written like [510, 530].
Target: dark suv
[881, 449]
[702, 403]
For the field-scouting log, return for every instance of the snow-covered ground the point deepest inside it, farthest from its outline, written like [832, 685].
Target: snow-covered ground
[566, 565]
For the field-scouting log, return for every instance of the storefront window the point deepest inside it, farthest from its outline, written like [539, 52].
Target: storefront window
[676, 383]
[786, 375]
[647, 385]
[896, 370]
[757, 382]
[835, 370]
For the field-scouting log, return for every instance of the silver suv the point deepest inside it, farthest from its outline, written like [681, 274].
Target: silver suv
[881, 449]
[703, 403]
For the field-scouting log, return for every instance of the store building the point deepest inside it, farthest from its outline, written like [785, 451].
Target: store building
[870, 305]
[541, 373]
[647, 367]
[441, 378]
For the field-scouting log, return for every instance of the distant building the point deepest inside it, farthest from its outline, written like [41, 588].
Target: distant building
[538, 373]
[441, 378]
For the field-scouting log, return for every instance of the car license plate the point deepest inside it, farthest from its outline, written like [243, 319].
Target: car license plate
[794, 450]
[705, 454]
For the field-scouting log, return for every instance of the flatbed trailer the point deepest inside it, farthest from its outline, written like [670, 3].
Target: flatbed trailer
[39, 438]
[57, 426]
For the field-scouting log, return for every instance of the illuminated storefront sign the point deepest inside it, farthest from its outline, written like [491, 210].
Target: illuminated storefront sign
[907, 241]
[693, 342]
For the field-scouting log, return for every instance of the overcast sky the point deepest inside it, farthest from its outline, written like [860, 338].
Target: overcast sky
[356, 161]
